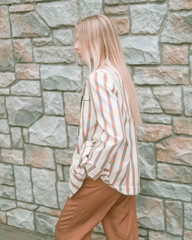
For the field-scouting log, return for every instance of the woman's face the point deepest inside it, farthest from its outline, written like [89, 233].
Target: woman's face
[77, 47]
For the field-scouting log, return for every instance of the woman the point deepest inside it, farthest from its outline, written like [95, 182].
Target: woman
[104, 175]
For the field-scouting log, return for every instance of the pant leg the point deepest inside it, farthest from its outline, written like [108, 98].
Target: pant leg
[120, 222]
[85, 210]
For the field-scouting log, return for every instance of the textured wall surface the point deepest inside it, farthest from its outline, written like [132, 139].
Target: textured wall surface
[41, 82]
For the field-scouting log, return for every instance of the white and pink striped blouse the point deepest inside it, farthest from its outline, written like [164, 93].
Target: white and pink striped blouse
[107, 142]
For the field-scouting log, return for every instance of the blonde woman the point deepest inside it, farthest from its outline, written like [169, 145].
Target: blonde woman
[104, 174]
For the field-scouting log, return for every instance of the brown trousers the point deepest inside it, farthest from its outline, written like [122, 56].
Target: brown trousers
[95, 201]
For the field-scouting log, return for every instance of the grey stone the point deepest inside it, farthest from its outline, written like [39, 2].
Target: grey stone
[177, 28]
[37, 156]
[141, 49]
[6, 174]
[4, 91]
[147, 160]
[6, 79]
[2, 107]
[174, 217]
[12, 156]
[187, 234]
[66, 172]
[188, 215]
[16, 137]
[64, 156]
[73, 132]
[28, 25]
[21, 218]
[26, 88]
[7, 191]
[28, 206]
[147, 19]
[6, 55]
[45, 223]
[162, 236]
[174, 173]
[49, 131]
[63, 193]
[4, 19]
[166, 189]
[60, 77]
[6, 204]
[44, 187]
[147, 101]
[137, 1]
[23, 183]
[180, 4]
[4, 127]
[23, 111]
[169, 99]
[5, 141]
[9, 1]
[54, 54]
[156, 118]
[59, 172]
[43, 41]
[150, 212]
[88, 8]
[63, 37]
[161, 75]
[58, 13]
[53, 103]
[188, 100]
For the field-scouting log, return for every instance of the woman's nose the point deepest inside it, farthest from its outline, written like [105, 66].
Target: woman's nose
[76, 47]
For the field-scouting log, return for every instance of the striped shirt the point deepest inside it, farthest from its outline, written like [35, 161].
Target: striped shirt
[107, 142]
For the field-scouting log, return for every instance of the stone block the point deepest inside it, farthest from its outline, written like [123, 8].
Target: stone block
[169, 99]
[6, 174]
[188, 215]
[153, 132]
[39, 157]
[161, 75]
[180, 4]
[5, 25]
[21, 218]
[163, 189]
[6, 55]
[22, 50]
[6, 204]
[64, 156]
[177, 28]
[44, 187]
[6, 79]
[72, 107]
[7, 191]
[187, 92]
[49, 131]
[58, 77]
[26, 88]
[174, 173]
[147, 18]
[174, 217]
[63, 37]
[182, 125]
[150, 212]
[121, 24]
[4, 127]
[12, 156]
[177, 150]
[173, 54]
[140, 49]
[45, 223]
[54, 54]
[53, 103]
[88, 8]
[23, 111]
[23, 183]
[58, 13]
[147, 160]
[63, 193]
[27, 71]
[28, 25]
[16, 137]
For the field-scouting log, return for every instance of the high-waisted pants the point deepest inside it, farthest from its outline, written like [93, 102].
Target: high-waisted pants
[97, 202]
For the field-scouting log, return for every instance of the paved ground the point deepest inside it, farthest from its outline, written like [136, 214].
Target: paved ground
[14, 233]
[8, 232]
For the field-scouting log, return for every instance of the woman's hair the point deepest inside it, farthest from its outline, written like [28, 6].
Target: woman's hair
[99, 41]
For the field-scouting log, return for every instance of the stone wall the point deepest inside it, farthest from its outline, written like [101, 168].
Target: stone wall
[41, 82]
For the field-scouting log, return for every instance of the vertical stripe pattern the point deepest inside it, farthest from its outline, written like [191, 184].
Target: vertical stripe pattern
[107, 141]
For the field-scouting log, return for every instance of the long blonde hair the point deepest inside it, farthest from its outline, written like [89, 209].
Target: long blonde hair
[98, 39]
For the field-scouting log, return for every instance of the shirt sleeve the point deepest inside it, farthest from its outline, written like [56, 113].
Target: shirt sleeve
[104, 97]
